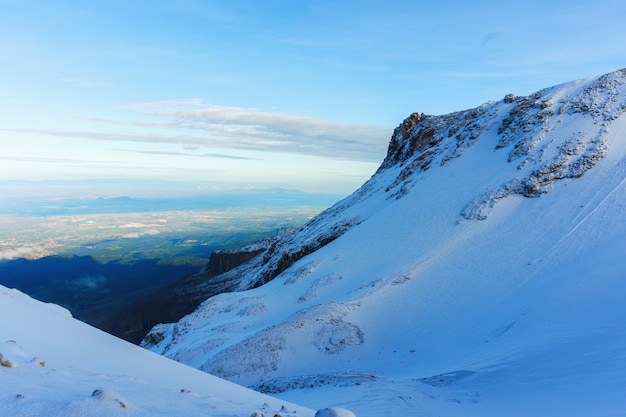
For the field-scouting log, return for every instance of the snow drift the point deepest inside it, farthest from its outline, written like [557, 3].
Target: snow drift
[480, 271]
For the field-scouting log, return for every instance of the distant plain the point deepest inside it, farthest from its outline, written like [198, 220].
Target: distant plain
[97, 256]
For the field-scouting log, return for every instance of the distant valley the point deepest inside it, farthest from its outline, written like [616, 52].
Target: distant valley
[99, 264]
[89, 289]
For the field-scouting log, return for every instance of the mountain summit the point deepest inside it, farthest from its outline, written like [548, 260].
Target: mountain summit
[480, 271]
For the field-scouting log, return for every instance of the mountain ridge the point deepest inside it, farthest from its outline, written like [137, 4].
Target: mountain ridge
[456, 269]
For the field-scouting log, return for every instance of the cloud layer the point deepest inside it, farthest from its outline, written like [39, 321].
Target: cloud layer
[21, 252]
[194, 124]
[242, 128]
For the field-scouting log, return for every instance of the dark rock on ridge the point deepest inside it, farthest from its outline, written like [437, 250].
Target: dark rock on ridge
[222, 261]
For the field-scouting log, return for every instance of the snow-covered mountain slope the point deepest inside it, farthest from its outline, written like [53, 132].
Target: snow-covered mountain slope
[480, 271]
[54, 365]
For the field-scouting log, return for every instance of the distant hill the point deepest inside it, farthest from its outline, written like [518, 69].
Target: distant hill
[275, 197]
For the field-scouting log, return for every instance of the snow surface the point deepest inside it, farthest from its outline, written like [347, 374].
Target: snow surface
[54, 365]
[480, 272]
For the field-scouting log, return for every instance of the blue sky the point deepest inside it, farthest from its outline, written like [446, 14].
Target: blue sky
[215, 95]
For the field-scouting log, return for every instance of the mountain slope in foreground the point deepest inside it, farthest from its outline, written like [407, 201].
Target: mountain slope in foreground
[479, 272]
[54, 365]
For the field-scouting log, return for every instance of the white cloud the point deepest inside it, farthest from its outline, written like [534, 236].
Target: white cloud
[89, 281]
[244, 128]
[22, 252]
[194, 124]
[204, 155]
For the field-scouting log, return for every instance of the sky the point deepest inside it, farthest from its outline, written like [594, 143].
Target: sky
[158, 98]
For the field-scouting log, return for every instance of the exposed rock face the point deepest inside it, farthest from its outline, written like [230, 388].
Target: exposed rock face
[222, 261]
[401, 134]
[281, 255]
[423, 140]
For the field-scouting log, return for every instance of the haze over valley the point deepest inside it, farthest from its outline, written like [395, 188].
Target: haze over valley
[98, 256]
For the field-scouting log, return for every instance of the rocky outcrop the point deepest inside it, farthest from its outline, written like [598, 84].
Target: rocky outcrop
[222, 261]
[280, 256]
[528, 132]
[423, 140]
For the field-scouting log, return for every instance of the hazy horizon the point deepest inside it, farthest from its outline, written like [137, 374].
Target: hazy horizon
[238, 95]
[25, 191]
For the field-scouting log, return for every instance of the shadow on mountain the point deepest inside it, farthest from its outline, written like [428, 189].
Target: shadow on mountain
[173, 301]
[92, 291]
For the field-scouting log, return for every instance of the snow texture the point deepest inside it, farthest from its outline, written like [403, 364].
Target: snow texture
[479, 272]
[54, 365]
